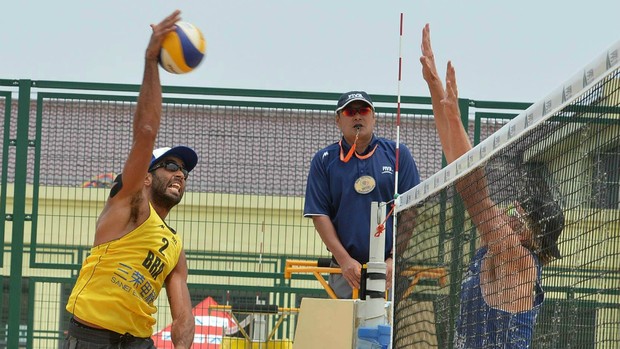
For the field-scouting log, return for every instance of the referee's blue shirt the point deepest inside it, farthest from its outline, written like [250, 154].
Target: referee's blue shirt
[330, 190]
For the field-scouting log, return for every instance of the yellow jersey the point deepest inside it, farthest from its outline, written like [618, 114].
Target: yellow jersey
[121, 279]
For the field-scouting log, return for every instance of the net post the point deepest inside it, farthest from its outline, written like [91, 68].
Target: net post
[374, 302]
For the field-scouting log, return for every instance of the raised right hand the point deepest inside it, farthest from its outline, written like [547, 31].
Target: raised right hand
[159, 32]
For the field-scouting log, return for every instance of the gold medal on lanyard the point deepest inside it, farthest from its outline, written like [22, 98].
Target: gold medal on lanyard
[364, 184]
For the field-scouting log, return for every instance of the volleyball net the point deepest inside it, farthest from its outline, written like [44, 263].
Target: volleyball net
[564, 149]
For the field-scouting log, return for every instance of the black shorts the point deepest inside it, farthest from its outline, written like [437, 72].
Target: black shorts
[80, 336]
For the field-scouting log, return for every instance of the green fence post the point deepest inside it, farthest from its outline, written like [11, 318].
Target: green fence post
[6, 143]
[19, 209]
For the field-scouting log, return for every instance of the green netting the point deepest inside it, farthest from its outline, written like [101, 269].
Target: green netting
[568, 144]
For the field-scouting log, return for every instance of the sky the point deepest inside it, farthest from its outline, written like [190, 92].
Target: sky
[502, 50]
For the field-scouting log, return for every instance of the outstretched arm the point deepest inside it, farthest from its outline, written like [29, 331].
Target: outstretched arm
[435, 86]
[488, 218]
[454, 139]
[509, 267]
[127, 206]
[148, 110]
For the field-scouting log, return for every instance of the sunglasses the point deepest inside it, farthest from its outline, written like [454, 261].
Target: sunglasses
[172, 167]
[350, 111]
[515, 215]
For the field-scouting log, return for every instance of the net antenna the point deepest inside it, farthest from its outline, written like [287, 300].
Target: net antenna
[395, 203]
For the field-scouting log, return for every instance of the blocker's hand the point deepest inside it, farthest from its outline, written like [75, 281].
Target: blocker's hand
[429, 69]
[450, 102]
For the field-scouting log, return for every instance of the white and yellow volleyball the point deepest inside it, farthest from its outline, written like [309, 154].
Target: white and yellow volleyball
[182, 49]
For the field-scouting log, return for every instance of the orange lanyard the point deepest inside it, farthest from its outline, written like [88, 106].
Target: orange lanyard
[346, 159]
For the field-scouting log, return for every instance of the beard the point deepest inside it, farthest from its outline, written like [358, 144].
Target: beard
[160, 195]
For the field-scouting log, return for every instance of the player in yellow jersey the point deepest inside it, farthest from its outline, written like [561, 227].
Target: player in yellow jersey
[135, 253]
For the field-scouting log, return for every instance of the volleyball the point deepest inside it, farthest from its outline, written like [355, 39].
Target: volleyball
[182, 49]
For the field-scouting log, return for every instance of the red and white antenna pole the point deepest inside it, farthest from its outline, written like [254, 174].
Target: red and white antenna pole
[400, 71]
[395, 202]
